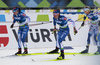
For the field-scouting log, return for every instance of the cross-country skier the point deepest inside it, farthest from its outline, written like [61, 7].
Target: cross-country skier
[23, 21]
[94, 28]
[62, 21]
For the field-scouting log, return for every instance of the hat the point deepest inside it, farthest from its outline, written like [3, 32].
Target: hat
[15, 9]
[56, 11]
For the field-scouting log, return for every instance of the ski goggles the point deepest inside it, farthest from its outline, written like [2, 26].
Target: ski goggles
[55, 14]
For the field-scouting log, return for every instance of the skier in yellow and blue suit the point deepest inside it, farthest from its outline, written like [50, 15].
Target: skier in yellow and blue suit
[94, 28]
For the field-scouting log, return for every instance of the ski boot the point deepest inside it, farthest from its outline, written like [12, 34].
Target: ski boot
[19, 51]
[53, 51]
[85, 51]
[98, 51]
[62, 56]
[25, 51]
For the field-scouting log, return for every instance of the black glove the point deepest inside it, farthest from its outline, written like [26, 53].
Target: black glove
[82, 24]
[99, 23]
[54, 30]
[12, 26]
[26, 24]
[75, 31]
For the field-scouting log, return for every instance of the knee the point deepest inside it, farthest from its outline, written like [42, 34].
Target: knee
[23, 40]
[95, 37]
[59, 40]
[89, 35]
[88, 40]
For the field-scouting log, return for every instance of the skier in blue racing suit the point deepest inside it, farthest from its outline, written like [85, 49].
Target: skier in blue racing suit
[23, 21]
[62, 21]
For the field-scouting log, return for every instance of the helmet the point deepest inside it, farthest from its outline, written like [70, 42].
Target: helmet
[56, 11]
[15, 9]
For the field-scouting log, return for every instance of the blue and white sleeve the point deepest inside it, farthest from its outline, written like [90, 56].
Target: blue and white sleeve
[27, 19]
[73, 23]
[99, 15]
[14, 21]
[54, 23]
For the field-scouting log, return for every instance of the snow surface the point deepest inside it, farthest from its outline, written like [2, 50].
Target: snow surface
[47, 59]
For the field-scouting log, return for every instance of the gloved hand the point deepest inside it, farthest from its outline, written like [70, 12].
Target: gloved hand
[99, 22]
[26, 24]
[82, 24]
[54, 30]
[83, 21]
[99, 29]
[75, 31]
[12, 26]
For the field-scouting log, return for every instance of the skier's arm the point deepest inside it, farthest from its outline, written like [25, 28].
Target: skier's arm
[74, 26]
[26, 17]
[13, 23]
[99, 25]
[83, 21]
[54, 23]
[99, 22]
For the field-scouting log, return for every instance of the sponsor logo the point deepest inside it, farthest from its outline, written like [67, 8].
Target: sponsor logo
[43, 35]
[37, 36]
[3, 40]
